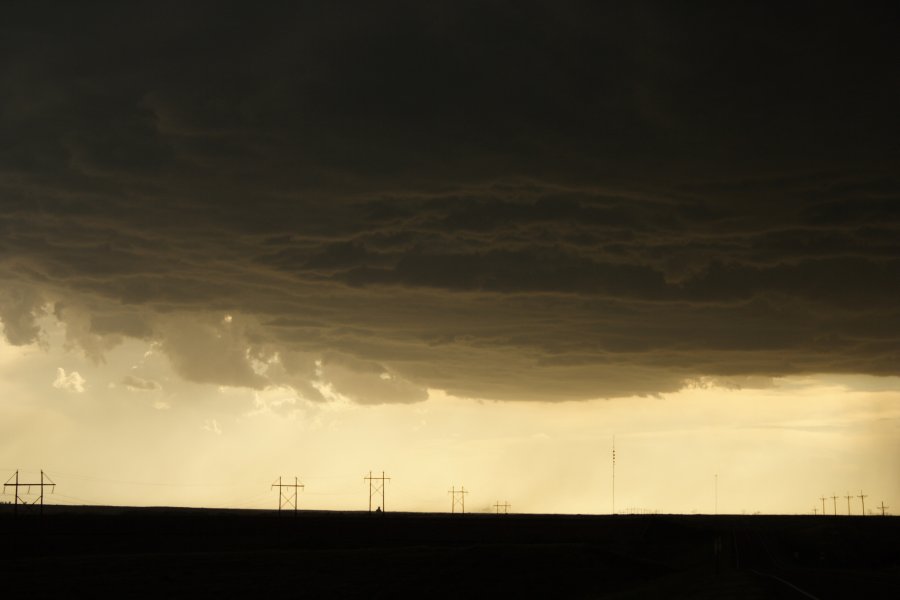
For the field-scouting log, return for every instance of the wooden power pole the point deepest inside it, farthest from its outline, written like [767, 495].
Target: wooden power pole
[287, 493]
[13, 482]
[376, 484]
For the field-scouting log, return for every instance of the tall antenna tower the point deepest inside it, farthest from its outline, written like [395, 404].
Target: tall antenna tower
[14, 483]
[376, 484]
[458, 497]
[614, 475]
[287, 493]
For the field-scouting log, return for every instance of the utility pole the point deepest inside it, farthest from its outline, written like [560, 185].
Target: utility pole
[862, 497]
[14, 483]
[458, 496]
[374, 488]
[287, 493]
[822, 498]
[883, 507]
[834, 499]
[848, 496]
[815, 510]
[505, 506]
[614, 475]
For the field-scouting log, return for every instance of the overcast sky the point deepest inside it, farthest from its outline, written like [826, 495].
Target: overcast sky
[507, 215]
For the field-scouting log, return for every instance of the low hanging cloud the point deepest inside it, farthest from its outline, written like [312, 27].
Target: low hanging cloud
[20, 307]
[136, 384]
[516, 202]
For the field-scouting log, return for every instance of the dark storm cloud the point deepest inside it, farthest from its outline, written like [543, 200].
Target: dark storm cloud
[503, 200]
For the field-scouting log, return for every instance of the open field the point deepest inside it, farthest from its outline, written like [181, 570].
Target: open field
[166, 552]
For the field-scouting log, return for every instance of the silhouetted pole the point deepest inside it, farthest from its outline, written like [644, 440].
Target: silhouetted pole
[288, 498]
[505, 506]
[834, 499]
[614, 476]
[374, 489]
[862, 498]
[822, 498]
[14, 483]
[883, 507]
[815, 510]
[461, 494]
[848, 496]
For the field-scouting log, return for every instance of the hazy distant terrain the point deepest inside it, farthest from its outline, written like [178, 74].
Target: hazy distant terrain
[159, 552]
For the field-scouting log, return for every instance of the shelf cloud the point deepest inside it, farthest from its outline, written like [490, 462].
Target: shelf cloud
[514, 202]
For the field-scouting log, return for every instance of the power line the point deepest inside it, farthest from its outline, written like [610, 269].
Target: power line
[505, 506]
[287, 493]
[14, 483]
[374, 488]
[71, 499]
[147, 483]
[458, 498]
[614, 475]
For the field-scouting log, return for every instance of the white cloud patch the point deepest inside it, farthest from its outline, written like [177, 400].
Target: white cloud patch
[368, 383]
[280, 400]
[212, 426]
[69, 382]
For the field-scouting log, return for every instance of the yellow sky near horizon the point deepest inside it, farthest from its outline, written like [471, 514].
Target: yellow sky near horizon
[775, 449]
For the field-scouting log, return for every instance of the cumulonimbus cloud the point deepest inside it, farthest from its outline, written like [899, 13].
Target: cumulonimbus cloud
[521, 215]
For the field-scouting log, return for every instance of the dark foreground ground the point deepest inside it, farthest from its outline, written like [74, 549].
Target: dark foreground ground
[165, 553]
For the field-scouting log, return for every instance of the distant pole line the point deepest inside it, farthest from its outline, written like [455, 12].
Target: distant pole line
[883, 508]
[848, 496]
[14, 483]
[822, 498]
[505, 506]
[458, 497]
[287, 493]
[815, 510]
[834, 499]
[614, 475]
[374, 488]
[862, 497]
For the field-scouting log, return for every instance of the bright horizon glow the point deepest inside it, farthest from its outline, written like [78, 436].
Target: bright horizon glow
[775, 449]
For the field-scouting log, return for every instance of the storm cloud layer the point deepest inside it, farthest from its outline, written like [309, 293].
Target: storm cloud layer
[500, 200]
